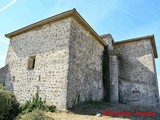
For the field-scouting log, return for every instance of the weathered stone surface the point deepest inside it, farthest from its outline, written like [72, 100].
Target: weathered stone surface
[50, 44]
[3, 72]
[68, 64]
[114, 92]
[113, 96]
[85, 67]
[109, 40]
[137, 68]
[137, 93]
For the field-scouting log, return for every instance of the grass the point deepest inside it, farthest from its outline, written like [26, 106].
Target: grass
[88, 111]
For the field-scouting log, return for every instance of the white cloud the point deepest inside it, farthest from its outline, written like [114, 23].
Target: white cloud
[8, 5]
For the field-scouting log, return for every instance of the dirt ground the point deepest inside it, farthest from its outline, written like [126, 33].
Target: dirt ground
[71, 116]
[89, 110]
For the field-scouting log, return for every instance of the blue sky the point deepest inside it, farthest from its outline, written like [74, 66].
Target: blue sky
[122, 18]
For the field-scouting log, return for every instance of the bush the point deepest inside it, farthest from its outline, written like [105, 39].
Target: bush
[8, 105]
[36, 103]
[34, 115]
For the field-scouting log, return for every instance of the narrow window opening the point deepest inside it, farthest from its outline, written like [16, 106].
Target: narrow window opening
[31, 62]
[39, 77]
[14, 78]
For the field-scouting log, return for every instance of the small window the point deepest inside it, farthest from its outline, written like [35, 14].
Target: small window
[14, 78]
[39, 77]
[31, 62]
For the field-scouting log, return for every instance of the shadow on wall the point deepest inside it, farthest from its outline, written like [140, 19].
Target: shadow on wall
[9, 79]
[137, 80]
[3, 72]
[6, 78]
[106, 76]
[117, 111]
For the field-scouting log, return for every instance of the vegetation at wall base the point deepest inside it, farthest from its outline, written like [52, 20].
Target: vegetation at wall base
[8, 105]
[31, 110]
[34, 115]
[106, 74]
[36, 103]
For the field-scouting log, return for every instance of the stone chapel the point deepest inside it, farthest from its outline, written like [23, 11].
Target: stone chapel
[70, 63]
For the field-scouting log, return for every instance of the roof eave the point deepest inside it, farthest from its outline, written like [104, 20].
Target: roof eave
[82, 21]
[154, 46]
[151, 37]
[42, 22]
[63, 15]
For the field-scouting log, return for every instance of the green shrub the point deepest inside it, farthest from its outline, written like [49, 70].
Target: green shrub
[36, 103]
[50, 108]
[34, 115]
[1, 86]
[8, 105]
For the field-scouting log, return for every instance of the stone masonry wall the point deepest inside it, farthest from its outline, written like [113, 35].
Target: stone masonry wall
[114, 95]
[3, 72]
[50, 44]
[137, 75]
[85, 67]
